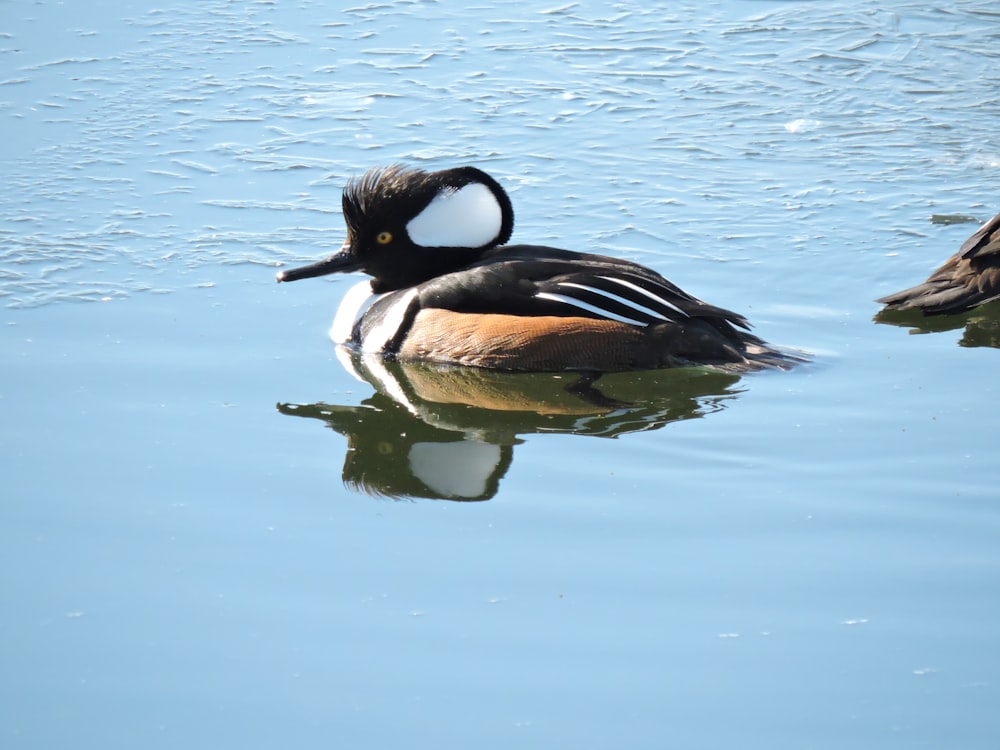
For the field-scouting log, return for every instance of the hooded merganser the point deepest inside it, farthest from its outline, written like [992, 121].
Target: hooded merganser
[446, 289]
[968, 278]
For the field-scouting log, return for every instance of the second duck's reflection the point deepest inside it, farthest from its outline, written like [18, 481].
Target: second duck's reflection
[981, 324]
[448, 432]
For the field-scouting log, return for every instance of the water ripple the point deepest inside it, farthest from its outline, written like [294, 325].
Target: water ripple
[230, 115]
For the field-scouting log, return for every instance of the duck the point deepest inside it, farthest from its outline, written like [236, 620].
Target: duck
[969, 278]
[446, 288]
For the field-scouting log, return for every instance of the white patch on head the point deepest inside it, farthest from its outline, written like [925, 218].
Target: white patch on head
[388, 326]
[354, 305]
[460, 469]
[467, 217]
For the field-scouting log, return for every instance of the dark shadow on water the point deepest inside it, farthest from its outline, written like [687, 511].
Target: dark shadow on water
[449, 433]
[982, 325]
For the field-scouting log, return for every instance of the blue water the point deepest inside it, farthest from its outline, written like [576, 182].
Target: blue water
[213, 535]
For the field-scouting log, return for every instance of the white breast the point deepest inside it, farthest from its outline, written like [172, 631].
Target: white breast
[354, 305]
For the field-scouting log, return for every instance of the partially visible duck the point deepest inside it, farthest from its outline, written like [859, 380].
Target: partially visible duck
[968, 278]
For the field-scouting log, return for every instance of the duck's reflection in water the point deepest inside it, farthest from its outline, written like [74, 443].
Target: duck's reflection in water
[982, 324]
[448, 432]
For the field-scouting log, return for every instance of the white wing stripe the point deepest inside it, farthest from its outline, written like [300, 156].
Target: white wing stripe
[589, 308]
[645, 292]
[615, 298]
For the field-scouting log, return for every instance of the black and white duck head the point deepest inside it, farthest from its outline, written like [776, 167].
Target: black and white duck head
[405, 226]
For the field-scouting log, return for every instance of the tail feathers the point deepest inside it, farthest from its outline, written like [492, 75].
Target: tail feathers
[714, 343]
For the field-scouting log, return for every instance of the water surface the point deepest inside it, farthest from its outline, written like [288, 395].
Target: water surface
[784, 560]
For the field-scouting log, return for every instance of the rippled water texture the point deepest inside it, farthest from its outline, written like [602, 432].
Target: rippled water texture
[174, 140]
[214, 535]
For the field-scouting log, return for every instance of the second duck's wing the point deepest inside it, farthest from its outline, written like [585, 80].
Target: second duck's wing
[969, 278]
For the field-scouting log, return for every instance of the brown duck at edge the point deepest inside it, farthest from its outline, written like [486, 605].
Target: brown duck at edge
[969, 278]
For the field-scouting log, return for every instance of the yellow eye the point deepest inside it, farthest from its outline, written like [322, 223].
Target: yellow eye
[384, 238]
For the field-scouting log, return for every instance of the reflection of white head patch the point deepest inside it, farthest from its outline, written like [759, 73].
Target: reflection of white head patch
[467, 217]
[455, 469]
